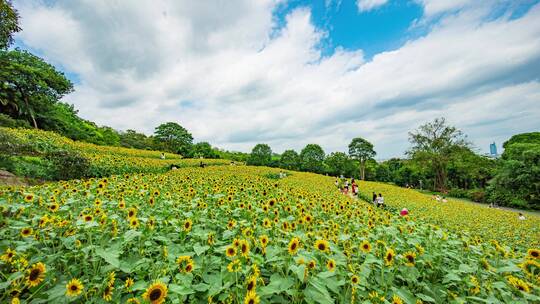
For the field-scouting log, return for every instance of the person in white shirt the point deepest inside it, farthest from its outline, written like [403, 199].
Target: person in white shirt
[521, 216]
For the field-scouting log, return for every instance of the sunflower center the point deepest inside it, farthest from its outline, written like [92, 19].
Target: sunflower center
[250, 286]
[74, 287]
[34, 274]
[321, 247]
[155, 294]
[293, 246]
[251, 301]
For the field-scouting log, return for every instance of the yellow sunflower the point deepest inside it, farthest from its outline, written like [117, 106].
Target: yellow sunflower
[365, 246]
[396, 300]
[54, 207]
[294, 244]
[187, 225]
[264, 240]
[251, 298]
[29, 198]
[156, 293]
[409, 258]
[389, 256]
[107, 293]
[251, 284]
[133, 223]
[355, 279]
[533, 253]
[244, 248]
[74, 288]
[322, 245]
[129, 283]
[331, 265]
[36, 274]
[26, 232]
[230, 251]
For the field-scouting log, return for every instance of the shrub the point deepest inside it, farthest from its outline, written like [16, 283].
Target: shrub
[68, 165]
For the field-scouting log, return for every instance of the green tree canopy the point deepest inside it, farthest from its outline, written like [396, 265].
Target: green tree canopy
[261, 155]
[9, 23]
[290, 160]
[133, 139]
[29, 85]
[173, 138]
[433, 144]
[361, 150]
[203, 149]
[523, 138]
[337, 163]
[311, 158]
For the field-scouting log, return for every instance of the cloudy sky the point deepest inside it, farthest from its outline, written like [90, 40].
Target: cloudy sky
[288, 73]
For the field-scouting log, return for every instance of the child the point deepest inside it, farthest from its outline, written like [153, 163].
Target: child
[380, 201]
[374, 199]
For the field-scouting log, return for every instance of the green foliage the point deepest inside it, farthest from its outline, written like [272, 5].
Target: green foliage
[8, 122]
[290, 160]
[432, 145]
[361, 150]
[133, 139]
[261, 155]
[523, 138]
[9, 23]
[311, 158]
[68, 165]
[202, 149]
[29, 85]
[174, 138]
[517, 178]
[338, 163]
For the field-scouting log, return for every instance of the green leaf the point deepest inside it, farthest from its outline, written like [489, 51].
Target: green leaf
[131, 234]
[181, 290]
[200, 249]
[109, 255]
[277, 284]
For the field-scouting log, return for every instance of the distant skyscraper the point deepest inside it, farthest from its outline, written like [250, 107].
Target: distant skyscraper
[493, 149]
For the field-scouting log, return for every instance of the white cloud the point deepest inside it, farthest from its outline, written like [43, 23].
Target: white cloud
[367, 5]
[237, 79]
[433, 7]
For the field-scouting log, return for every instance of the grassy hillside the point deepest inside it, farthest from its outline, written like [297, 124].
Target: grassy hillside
[235, 234]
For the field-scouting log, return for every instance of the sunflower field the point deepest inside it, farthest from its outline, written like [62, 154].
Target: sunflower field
[238, 234]
[457, 215]
[23, 146]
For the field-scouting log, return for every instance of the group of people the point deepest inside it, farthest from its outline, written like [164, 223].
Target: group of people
[378, 201]
[345, 186]
[438, 198]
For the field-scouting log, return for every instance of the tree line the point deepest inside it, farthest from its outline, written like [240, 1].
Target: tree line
[440, 159]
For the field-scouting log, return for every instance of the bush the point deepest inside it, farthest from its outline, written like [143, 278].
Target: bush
[477, 195]
[68, 165]
[7, 121]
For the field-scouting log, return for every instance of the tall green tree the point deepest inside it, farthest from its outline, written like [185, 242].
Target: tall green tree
[433, 144]
[173, 138]
[9, 23]
[361, 150]
[290, 160]
[261, 155]
[28, 85]
[311, 158]
[337, 163]
[517, 177]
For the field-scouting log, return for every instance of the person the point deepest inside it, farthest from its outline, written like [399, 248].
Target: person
[521, 217]
[162, 155]
[444, 200]
[201, 165]
[374, 198]
[404, 212]
[346, 190]
[380, 201]
[337, 183]
[354, 188]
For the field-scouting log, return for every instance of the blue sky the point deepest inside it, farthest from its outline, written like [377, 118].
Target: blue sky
[289, 73]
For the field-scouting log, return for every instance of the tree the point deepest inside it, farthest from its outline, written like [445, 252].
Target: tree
[337, 163]
[133, 139]
[202, 149]
[290, 160]
[311, 158]
[433, 144]
[261, 155]
[9, 23]
[517, 177]
[29, 85]
[361, 150]
[173, 138]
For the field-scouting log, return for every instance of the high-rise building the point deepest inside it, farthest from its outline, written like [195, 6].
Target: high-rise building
[493, 149]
